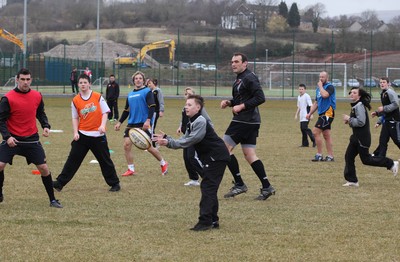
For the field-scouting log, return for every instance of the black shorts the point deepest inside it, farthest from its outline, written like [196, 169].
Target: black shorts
[32, 151]
[324, 122]
[240, 133]
[129, 127]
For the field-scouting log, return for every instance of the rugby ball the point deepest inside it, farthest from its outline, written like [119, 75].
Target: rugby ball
[139, 138]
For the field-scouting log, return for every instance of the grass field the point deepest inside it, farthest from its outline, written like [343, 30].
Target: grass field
[311, 217]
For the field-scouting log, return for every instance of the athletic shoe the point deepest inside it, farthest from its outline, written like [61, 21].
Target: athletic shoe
[215, 225]
[236, 190]
[192, 183]
[115, 188]
[266, 193]
[201, 227]
[317, 158]
[351, 184]
[128, 173]
[55, 203]
[1, 198]
[329, 159]
[164, 169]
[57, 186]
[314, 144]
[395, 168]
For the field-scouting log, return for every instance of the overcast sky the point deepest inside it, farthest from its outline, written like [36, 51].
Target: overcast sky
[345, 7]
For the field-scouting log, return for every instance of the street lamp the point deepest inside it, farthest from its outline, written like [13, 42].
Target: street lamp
[266, 67]
[365, 62]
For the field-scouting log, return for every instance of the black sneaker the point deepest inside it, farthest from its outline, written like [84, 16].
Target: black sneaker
[57, 186]
[317, 158]
[201, 227]
[329, 159]
[55, 203]
[115, 188]
[314, 144]
[236, 190]
[266, 193]
[1, 198]
[215, 225]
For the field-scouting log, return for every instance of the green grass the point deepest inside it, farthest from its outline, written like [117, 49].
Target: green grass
[311, 217]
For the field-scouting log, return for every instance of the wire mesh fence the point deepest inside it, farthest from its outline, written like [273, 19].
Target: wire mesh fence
[205, 65]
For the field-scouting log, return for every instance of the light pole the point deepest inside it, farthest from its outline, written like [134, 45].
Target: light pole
[266, 67]
[365, 63]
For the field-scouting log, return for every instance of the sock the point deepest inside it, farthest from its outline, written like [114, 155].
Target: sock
[233, 166]
[131, 167]
[162, 162]
[48, 184]
[1, 182]
[258, 168]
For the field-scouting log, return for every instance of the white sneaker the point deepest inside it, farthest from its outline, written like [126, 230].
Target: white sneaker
[192, 183]
[351, 184]
[395, 168]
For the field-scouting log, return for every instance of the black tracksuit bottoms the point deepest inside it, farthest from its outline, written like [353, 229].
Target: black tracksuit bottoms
[79, 149]
[211, 179]
[353, 149]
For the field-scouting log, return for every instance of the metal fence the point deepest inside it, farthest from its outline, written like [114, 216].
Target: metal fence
[206, 66]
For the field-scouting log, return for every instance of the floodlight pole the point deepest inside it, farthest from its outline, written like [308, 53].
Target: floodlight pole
[365, 63]
[98, 41]
[266, 66]
[24, 37]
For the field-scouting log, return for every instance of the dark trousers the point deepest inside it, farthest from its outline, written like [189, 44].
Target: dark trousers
[212, 177]
[113, 105]
[74, 86]
[79, 149]
[390, 129]
[353, 149]
[192, 165]
[155, 119]
[305, 131]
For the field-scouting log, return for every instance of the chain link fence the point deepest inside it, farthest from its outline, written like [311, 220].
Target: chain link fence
[205, 64]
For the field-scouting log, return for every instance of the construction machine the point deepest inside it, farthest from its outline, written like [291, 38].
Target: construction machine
[12, 38]
[132, 60]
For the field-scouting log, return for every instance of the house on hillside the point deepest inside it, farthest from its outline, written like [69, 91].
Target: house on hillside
[247, 16]
[358, 27]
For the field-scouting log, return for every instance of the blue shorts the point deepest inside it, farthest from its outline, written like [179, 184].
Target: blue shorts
[32, 151]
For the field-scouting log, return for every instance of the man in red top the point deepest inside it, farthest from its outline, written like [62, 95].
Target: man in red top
[19, 109]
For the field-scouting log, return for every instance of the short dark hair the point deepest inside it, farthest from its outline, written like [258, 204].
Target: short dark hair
[244, 57]
[385, 78]
[198, 100]
[84, 76]
[303, 85]
[112, 75]
[23, 71]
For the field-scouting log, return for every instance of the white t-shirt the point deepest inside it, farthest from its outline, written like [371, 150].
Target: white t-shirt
[302, 103]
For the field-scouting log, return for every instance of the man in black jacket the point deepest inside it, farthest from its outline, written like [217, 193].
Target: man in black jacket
[112, 95]
[247, 95]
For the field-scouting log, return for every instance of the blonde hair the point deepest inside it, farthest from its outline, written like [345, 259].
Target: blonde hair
[139, 73]
[190, 89]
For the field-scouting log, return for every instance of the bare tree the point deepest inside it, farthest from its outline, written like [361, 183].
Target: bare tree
[369, 20]
[314, 13]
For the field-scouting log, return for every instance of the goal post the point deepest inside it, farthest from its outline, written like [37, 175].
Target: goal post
[271, 73]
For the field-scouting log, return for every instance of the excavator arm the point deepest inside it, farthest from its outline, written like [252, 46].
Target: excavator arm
[170, 44]
[12, 38]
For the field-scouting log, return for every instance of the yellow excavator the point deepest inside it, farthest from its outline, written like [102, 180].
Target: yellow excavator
[132, 60]
[12, 38]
